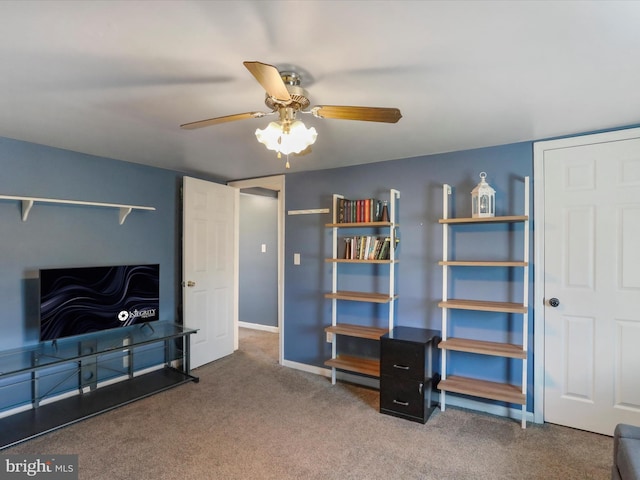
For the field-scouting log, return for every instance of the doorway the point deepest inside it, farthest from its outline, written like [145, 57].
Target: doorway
[258, 260]
[271, 189]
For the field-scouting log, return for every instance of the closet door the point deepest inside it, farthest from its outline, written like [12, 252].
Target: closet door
[592, 281]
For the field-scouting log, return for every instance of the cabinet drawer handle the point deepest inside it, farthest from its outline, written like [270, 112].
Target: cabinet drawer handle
[401, 367]
[404, 404]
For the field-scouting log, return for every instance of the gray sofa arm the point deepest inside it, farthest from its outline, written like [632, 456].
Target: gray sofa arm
[626, 453]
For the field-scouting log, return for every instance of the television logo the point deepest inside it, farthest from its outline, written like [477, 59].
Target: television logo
[123, 316]
[59, 467]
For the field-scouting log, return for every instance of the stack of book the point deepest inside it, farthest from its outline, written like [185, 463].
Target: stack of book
[367, 247]
[357, 211]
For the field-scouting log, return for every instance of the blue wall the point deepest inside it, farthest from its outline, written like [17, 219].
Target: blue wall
[258, 271]
[419, 282]
[62, 235]
[67, 235]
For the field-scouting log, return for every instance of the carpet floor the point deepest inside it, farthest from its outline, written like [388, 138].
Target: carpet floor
[251, 418]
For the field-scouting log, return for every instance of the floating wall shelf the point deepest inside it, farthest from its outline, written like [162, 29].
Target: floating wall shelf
[27, 204]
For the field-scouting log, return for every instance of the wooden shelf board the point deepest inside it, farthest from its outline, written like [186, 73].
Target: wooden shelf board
[485, 389]
[361, 224]
[482, 263]
[361, 296]
[483, 305]
[505, 219]
[373, 333]
[366, 366]
[483, 347]
[28, 203]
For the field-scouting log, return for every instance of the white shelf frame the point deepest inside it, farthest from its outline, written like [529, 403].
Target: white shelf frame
[394, 196]
[446, 193]
[28, 202]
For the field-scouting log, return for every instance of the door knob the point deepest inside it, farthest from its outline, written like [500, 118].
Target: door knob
[191, 283]
[554, 302]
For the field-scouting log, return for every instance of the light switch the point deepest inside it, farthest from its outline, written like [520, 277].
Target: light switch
[263, 249]
[296, 259]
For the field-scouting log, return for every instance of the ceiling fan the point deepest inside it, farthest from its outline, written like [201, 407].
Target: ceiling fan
[285, 97]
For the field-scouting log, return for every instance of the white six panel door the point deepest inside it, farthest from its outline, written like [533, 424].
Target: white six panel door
[592, 267]
[208, 268]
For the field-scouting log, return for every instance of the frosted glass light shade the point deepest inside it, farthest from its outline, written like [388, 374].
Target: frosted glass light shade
[297, 139]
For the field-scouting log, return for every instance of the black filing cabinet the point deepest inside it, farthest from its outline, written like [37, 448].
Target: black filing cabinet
[406, 372]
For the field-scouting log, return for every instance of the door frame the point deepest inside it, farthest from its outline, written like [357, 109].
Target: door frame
[539, 149]
[275, 183]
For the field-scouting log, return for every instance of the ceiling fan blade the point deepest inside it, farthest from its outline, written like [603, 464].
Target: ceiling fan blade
[269, 77]
[367, 114]
[217, 120]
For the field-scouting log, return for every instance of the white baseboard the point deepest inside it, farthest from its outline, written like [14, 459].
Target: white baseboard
[307, 368]
[498, 410]
[326, 372]
[257, 326]
[13, 411]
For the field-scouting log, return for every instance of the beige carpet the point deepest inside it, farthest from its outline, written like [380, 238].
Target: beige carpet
[250, 418]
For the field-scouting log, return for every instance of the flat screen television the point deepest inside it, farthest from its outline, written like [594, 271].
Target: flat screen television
[75, 301]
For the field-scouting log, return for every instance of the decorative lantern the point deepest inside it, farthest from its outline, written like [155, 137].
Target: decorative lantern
[483, 199]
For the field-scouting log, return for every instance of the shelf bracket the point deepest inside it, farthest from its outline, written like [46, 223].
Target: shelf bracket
[124, 213]
[26, 208]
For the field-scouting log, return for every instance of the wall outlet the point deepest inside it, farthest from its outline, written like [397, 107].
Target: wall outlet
[329, 337]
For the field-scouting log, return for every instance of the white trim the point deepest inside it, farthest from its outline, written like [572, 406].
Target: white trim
[13, 411]
[454, 400]
[326, 372]
[303, 367]
[308, 211]
[257, 326]
[538, 282]
[539, 150]
[276, 183]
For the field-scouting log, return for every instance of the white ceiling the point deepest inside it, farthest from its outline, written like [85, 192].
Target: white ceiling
[117, 78]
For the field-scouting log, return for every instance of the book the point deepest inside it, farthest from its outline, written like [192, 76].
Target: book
[384, 250]
[364, 210]
[340, 208]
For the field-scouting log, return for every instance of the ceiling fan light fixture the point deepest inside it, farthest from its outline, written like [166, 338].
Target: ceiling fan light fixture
[285, 96]
[286, 141]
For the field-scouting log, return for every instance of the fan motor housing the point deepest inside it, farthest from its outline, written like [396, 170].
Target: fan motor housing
[299, 96]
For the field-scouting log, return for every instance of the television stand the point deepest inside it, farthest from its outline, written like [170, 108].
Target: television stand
[147, 324]
[71, 379]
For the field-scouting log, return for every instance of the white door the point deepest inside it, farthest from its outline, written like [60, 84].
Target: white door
[209, 297]
[592, 283]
